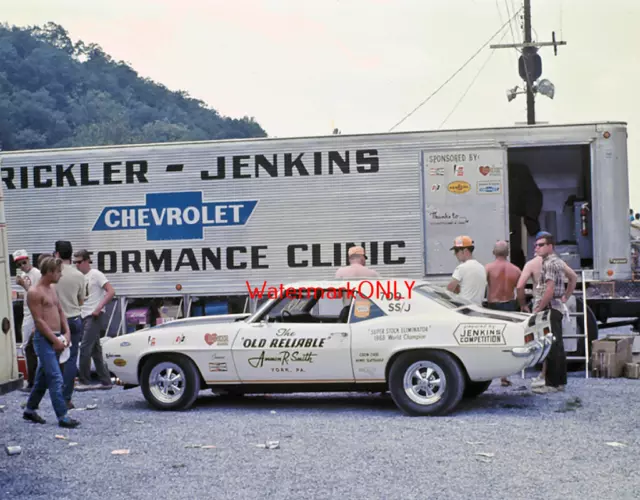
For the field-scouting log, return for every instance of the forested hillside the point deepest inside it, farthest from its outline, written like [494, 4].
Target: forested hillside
[56, 93]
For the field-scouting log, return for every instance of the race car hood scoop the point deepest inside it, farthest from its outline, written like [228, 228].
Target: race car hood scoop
[479, 312]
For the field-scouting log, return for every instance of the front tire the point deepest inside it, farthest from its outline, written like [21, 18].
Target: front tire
[426, 383]
[170, 382]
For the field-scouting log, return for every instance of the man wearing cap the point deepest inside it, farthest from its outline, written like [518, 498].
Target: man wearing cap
[469, 279]
[99, 292]
[28, 276]
[71, 294]
[356, 267]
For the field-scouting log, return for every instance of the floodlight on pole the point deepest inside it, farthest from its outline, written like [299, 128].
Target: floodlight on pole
[545, 87]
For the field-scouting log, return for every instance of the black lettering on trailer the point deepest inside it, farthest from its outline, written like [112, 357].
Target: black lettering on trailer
[153, 261]
[60, 175]
[289, 164]
[297, 254]
[131, 258]
[240, 162]
[386, 253]
[256, 256]
[110, 267]
[293, 164]
[270, 167]
[291, 256]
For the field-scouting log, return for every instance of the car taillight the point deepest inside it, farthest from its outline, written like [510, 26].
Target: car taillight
[546, 330]
[528, 338]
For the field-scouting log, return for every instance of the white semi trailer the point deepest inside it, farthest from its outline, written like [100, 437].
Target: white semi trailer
[197, 222]
[10, 378]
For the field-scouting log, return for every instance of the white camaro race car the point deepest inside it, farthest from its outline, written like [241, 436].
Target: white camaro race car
[429, 348]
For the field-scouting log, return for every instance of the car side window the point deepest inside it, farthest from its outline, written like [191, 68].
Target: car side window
[364, 309]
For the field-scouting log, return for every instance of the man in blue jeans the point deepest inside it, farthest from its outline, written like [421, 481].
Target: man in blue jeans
[71, 294]
[48, 342]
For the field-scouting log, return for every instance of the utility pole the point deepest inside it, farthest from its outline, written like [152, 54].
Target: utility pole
[528, 52]
[530, 64]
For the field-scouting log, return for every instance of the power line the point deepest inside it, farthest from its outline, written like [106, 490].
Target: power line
[472, 82]
[513, 36]
[458, 71]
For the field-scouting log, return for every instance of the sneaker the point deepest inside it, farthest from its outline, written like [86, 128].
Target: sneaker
[546, 389]
[537, 382]
[32, 416]
[68, 423]
[87, 387]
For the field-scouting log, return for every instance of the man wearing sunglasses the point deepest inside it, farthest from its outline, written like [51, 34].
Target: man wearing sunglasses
[28, 276]
[551, 294]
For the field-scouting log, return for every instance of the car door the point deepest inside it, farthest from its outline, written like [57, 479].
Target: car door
[370, 332]
[297, 339]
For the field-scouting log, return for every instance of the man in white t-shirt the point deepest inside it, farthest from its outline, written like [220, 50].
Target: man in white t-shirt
[469, 279]
[28, 276]
[98, 293]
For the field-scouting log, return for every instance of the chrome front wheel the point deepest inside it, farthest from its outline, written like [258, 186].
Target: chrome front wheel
[170, 381]
[167, 382]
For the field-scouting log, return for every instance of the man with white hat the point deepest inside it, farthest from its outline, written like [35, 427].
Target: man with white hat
[469, 279]
[356, 267]
[28, 276]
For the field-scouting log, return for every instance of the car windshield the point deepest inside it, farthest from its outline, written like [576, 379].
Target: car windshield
[443, 297]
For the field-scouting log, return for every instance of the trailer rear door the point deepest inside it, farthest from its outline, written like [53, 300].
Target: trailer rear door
[464, 192]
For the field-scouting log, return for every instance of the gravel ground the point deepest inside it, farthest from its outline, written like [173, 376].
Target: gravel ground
[332, 446]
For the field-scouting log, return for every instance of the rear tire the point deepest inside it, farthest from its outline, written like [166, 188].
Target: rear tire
[474, 389]
[426, 383]
[170, 382]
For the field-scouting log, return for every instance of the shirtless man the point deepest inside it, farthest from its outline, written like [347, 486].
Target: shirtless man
[533, 270]
[502, 278]
[49, 319]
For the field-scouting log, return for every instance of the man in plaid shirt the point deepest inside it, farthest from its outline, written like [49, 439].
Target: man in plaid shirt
[552, 295]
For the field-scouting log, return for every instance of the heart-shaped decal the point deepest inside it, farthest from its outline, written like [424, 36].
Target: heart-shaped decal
[485, 170]
[210, 338]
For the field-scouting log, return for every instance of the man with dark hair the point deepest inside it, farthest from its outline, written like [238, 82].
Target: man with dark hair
[99, 293]
[71, 294]
[48, 342]
[552, 295]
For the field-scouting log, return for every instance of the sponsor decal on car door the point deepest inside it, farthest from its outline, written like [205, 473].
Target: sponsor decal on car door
[291, 344]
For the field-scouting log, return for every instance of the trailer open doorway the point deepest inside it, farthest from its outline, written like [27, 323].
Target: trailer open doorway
[549, 190]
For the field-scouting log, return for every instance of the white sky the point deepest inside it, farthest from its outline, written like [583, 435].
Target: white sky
[301, 66]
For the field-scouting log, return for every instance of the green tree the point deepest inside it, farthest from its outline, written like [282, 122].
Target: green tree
[57, 93]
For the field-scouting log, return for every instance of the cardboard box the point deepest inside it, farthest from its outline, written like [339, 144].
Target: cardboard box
[610, 355]
[632, 370]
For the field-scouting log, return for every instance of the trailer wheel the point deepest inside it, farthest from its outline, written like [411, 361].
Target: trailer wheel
[474, 389]
[170, 382]
[426, 383]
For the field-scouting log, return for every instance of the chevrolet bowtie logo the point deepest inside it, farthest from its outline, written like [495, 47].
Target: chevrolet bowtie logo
[175, 216]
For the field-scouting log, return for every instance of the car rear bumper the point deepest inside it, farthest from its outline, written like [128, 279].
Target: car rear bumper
[537, 350]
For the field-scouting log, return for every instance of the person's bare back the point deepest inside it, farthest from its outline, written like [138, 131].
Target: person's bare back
[502, 278]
